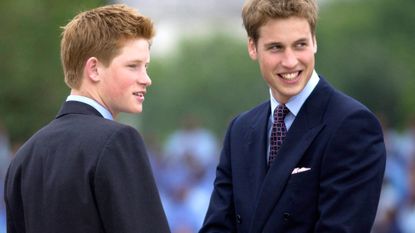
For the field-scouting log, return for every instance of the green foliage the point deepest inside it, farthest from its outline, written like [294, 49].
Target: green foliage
[32, 86]
[211, 78]
[365, 49]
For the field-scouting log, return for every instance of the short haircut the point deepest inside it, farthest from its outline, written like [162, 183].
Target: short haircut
[100, 33]
[256, 13]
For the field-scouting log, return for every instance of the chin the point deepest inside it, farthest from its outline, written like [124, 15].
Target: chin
[138, 110]
[134, 110]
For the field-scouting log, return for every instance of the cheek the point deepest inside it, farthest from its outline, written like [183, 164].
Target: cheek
[270, 68]
[307, 58]
[123, 81]
[268, 62]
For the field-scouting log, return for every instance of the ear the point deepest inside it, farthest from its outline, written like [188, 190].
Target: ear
[315, 44]
[252, 49]
[91, 69]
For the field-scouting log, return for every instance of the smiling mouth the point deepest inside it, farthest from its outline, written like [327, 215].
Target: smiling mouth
[139, 94]
[290, 76]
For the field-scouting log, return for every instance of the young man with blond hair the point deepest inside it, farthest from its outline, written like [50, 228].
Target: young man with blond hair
[84, 172]
[310, 159]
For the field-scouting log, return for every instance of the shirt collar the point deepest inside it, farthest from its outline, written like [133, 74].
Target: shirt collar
[102, 110]
[296, 102]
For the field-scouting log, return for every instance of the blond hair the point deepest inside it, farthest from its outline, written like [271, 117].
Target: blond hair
[99, 33]
[256, 13]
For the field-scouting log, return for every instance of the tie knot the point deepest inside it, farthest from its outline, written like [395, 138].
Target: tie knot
[280, 112]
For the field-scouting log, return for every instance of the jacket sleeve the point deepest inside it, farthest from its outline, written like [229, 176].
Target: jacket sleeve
[126, 195]
[220, 216]
[351, 175]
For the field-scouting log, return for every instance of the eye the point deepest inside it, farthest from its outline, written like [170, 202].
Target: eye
[275, 48]
[301, 45]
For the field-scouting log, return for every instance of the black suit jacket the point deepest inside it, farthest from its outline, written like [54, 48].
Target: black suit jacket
[338, 139]
[83, 174]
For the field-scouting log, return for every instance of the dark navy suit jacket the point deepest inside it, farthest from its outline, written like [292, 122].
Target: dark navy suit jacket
[340, 144]
[83, 174]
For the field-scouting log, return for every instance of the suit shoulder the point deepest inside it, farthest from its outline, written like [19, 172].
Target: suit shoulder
[79, 131]
[337, 100]
[116, 131]
[342, 107]
[99, 124]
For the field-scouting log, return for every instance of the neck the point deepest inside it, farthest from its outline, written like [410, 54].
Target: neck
[92, 95]
[85, 94]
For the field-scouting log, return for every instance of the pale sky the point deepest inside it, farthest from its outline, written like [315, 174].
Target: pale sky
[190, 18]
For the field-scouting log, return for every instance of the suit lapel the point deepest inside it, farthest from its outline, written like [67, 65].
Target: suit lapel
[306, 126]
[256, 146]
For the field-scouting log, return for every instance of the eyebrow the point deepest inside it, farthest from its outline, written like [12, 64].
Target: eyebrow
[301, 40]
[272, 44]
[281, 44]
[138, 61]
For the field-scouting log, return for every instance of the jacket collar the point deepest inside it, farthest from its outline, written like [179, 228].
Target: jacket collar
[75, 107]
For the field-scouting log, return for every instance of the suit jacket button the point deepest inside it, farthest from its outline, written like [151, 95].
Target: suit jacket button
[238, 219]
[286, 216]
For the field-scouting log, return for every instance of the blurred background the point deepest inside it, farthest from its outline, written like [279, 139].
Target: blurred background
[202, 77]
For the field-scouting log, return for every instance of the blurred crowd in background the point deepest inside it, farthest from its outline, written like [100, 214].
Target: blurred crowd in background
[396, 211]
[6, 154]
[364, 65]
[184, 167]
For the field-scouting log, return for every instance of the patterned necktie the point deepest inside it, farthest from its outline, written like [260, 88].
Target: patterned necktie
[278, 133]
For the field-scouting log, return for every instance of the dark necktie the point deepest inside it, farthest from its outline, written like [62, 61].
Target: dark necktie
[278, 133]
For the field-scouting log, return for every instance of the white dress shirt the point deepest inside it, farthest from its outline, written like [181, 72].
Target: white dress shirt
[294, 104]
[101, 109]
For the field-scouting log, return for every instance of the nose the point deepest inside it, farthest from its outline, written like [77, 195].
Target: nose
[144, 79]
[289, 59]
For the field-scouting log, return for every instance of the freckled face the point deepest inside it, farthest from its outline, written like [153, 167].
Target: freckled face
[285, 53]
[125, 80]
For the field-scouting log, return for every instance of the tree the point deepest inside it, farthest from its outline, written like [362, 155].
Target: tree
[365, 48]
[32, 86]
[212, 78]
